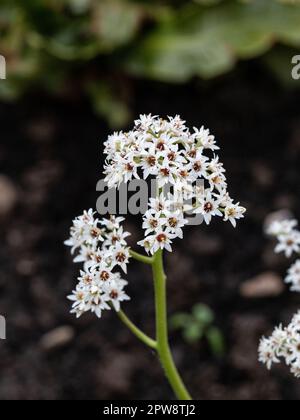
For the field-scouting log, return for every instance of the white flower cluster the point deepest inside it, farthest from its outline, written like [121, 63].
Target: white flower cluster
[284, 344]
[102, 248]
[169, 152]
[288, 242]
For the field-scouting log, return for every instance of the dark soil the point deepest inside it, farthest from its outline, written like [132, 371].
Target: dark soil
[52, 153]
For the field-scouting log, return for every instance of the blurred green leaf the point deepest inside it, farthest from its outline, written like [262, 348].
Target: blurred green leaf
[175, 57]
[216, 341]
[203, 314]
[193, 333]
[115, 22]
[109, 105]
[180, 320]
[45, 43]
[207, 42]
[80, 6]
[207, 2]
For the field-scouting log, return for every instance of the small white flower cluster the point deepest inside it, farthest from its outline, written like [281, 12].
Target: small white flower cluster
[284, 344]
[167, 151]
[102, 248]
[288, 242]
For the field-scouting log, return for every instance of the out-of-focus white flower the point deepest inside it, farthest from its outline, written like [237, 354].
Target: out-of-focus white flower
[284, 343]
[293, 277]
[281, 227]
[288, 243]
[287, 235]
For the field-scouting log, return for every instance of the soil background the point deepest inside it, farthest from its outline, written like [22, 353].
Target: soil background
[50, 160]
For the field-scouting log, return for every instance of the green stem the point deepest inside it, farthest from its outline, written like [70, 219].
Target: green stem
[163, 347]
[141, 258]
[136, 331]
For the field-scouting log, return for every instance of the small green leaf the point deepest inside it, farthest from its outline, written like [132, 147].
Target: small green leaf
[109, 105]
[203, 314]
[193, 333]
[115, 22]
[216, 341]
[180, 320]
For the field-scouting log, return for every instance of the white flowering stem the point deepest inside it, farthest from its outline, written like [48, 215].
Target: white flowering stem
[136, 331]
[141, 258]
[163, 347]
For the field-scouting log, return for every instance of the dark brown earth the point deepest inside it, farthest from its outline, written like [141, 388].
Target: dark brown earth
[51, 156]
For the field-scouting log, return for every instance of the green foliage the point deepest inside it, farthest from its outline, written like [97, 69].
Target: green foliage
[199, 325]
[48, 42]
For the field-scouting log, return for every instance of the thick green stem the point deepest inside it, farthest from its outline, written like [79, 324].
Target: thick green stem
[163, 347]
[136, 331]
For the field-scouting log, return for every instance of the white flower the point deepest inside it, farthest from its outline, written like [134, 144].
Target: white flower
[115, 293]
[205, 139]
[145, 122]
[177, 123]
[120, 257]
[293, 277]
[153, 222]
[267, 352]
[288, 243]
[147, 243]
[149, 162]
[175, 222]
[130, 168]
[112, 223]
[85, 231]
[116, 236]
[168, 151]
[284, 227]
[162, 240]
[295, 370]
[296, 322]
[160, 205]
[100, 255]
[293, 350]
[88, 298]
[284, 344]
[90, 256]
[234, 212]
[208, 206]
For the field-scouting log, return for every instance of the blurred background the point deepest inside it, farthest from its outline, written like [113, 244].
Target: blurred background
[79, 69]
